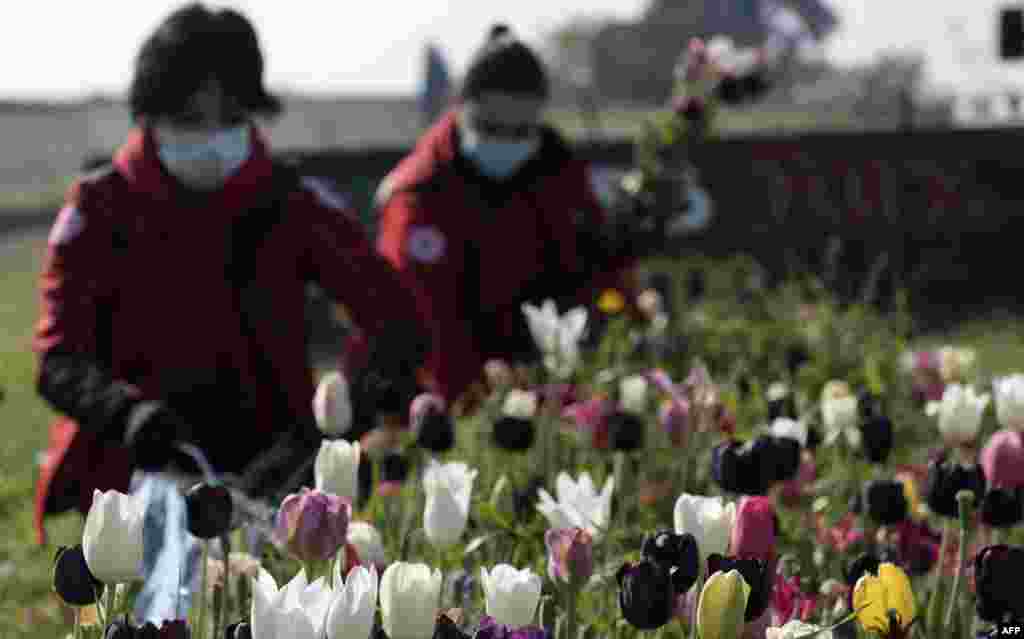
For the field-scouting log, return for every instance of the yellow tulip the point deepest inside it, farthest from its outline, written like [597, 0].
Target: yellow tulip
[876, 597]
[723, 602]
[910, 492]
[611, 302]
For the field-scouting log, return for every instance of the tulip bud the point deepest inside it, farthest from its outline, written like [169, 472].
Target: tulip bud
[498, 373]
[449, 488]
[336, 469]
[408, 600]
[756, 573]
[431, 423]
[209, 510]
[754, 534]
[720, 613]
[959, 414]
[312, 525]
[646, 594]
[784, 427]
[515, 431]
[877, 438]
[997, 570]
[1003, 459]
[709, 519]
[570, 554]
[368, 544]
[674, 418]
[72, 580]
[511, 595]
[332, 406]
[1003, 507]
[748, 469]
[625, 431]
[886, 501]
[945, 479]
[678, 554]
[112, 539]
[1009, 394]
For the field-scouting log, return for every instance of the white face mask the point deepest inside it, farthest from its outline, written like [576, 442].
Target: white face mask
[497, 158]
[204, 161]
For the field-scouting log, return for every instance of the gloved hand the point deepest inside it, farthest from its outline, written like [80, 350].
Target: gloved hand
[282, 469]
[151, 430]
[388, 382]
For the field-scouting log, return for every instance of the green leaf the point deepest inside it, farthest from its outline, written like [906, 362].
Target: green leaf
[477, 542]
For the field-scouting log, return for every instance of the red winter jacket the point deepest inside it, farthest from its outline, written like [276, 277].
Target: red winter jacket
[136, 303]
[474, 249]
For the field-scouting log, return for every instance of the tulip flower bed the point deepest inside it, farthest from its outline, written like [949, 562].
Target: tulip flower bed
[745, 464]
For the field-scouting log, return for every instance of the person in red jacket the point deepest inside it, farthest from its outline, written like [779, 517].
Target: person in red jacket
[173, 287]
[493, 209]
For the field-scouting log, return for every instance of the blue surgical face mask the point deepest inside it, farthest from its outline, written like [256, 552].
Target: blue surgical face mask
[495, 158]
[205, 162]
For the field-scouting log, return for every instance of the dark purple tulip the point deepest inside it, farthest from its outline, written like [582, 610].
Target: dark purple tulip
[945, 479]
[73, 582]
[646, 594]
[886, 502]
[209, 510]
[677, 553]
[1003, 507]
[514, 434]
[997, 570]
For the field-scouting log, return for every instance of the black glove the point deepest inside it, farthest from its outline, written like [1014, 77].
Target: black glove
[151, 431]
[387, 383]
[282, 469]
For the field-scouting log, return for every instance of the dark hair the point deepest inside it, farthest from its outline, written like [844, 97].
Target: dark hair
[505, 65]
[192, 46]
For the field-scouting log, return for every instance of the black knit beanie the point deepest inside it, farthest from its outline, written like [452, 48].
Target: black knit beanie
[505, 65]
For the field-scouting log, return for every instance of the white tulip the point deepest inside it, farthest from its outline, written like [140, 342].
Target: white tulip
[336, 468]
[840, 416]
[959, 413]
[791, 428]
[796, 629]
[579, 504]
[332, 406]
[1009, 392]
[520, 404]
[112, 539]
[776, 391]
[409, 595]
[511, 595]
[709, 519]
[556, 336]
[368, 543]
[448, 488]
[353, 605]
[297, 611]
[633, 394]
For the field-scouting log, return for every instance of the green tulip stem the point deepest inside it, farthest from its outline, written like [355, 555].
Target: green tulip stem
[570, 610]
[201, 614]
[77, 632]
[965, 501]
[110, 603]
[218, 608]
[694, 630]
[943, 545]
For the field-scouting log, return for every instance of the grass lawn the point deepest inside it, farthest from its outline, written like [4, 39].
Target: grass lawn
[27, 608]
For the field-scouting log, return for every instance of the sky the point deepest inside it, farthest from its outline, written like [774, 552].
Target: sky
[59, 49]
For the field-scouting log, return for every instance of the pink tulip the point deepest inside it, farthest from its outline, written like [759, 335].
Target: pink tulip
[423, 405]
[790, 602]
[753, 535]
[570, 554]
[592, 416]
[312, 525]
[1003, 459]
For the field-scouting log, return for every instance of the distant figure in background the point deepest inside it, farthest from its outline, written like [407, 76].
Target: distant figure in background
[491, 210]
[173, 284]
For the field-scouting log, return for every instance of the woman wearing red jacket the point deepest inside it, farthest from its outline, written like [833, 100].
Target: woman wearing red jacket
[174, 281]
[490, 210]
